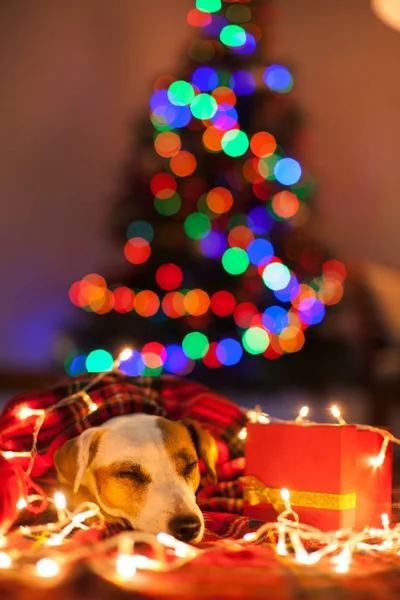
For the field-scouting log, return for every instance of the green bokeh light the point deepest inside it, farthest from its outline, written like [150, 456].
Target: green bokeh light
[276, 276]
[255, 340]
[197, 225]
[168, 206]
[209, 6]
[235, 142]
[195, 345]
[152, 372]
[180, 93]
[235, 261]
[203, 106]
[233, 36]
[99, 360]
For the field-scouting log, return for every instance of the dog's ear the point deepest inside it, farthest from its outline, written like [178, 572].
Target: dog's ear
[205, 445]
[72, 458]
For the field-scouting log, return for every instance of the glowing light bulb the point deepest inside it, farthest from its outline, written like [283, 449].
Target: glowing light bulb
[385, 521]
[5, 560]
[59, 500]
[285, 494]
[343, 560]
[10, 454]
[125, 565]
[125, 354]
[47, 567]
[281, 545]
[25, 412]
[303, 413]
[378, 461]
[263, 419]
[243, 434]
[250, 537]
[93, 406]
[56, 540]
[22, 503]
[338, 415]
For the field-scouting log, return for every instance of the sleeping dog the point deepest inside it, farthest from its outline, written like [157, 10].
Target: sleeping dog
[142, 470]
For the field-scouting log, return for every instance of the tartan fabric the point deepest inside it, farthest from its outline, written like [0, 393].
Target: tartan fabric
[227, 571]
[118, 394]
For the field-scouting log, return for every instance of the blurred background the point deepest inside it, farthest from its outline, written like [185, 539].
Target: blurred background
[75, 147]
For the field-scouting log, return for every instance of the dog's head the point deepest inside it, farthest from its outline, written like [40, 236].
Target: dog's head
[143, 469]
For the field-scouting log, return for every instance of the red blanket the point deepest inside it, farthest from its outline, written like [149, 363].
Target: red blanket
[117, 394]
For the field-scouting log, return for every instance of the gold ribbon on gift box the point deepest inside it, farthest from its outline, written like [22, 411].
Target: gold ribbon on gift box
[255, 492]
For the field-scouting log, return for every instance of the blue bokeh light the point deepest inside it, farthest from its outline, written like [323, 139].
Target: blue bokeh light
[214, 244]
[260, 251]
[176, 361]
[205, 78]
[229, 352]
[287, 171]
[242, 83]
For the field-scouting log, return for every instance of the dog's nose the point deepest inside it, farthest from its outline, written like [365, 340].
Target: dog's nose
[185, 527]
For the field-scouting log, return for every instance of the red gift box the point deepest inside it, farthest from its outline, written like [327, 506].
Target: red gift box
[327, 468]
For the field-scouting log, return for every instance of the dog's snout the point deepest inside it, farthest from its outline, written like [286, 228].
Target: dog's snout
[185, 527]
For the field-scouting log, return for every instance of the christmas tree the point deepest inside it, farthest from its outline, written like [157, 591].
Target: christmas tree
[223, 276]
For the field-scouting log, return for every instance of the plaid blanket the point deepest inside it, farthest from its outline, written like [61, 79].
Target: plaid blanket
[118, 394]
[227, 571]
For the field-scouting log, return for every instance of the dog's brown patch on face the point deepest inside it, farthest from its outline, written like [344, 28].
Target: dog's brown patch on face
[180, 447]
[122, 486]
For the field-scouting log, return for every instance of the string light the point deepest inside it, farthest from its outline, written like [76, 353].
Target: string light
[21, 504]
[281, 545]
[380, 459]
[25, 412]
[126, 354]
[122, 565]
[125, 565]
[343, 560]
[242, 435]
[302, 414]
[338, 415]
[5, 560]
[47, 567]
[60, 504]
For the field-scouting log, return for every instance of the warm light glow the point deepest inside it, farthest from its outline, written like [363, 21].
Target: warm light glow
[60, 501]
[93, 406]
[5, 560]
[125, 565]
[56, 540]
[125, 354]
[385, 520]
[281, 545]
[378, 461]
[263, 419]
[243, 433]
[343, 560]
[25, 412]
[388, 11]
[337, 414]
[47, 567]
[285, 494]
[303, 413]
[10, 454]
[22, 503]
[250, 537]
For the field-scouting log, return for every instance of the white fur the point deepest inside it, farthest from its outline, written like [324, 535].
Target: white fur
[137, 438]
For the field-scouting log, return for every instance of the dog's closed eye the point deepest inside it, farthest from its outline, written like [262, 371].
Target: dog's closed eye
[133, 472]
[189, 469]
